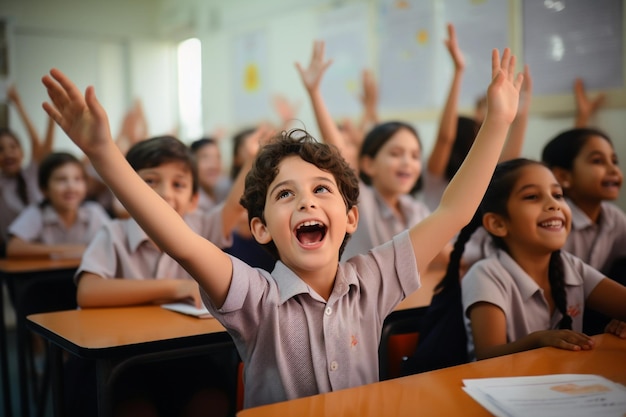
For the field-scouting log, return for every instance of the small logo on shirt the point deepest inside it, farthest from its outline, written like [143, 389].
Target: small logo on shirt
[573, 311]
[353, 341]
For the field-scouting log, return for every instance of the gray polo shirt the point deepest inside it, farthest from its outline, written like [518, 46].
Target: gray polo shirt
[499, 280]
[377, 221]
[10, 203]
[123, 250]
[600, 244]
[294, 343]
[43, 225]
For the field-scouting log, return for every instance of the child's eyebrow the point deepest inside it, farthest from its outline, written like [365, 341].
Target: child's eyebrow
[285, 182]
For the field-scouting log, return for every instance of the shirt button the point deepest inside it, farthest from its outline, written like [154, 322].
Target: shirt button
[328, 311]
[334, 366]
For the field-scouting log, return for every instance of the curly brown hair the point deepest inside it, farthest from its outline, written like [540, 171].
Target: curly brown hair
[296, 142]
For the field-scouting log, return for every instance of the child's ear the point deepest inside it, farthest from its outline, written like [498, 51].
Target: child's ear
[353, 219]
[563, 176]
[259, 231]
[495, 224]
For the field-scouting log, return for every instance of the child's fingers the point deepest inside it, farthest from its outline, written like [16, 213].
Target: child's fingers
[57, 95]
[511, 68]
[519, 80]
[94, 105]
[495, 63]
[73, 93]
[506, 58]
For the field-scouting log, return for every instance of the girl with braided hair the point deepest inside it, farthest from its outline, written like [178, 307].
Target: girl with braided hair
[529, 293]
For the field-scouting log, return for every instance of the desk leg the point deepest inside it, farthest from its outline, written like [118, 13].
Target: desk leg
[4, 361]
[56, 377]
[103, 374]
[21, 336]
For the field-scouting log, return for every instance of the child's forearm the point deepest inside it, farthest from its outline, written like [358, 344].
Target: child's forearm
[95, 291]
[21, 248]
[446, 135]
[328, 128]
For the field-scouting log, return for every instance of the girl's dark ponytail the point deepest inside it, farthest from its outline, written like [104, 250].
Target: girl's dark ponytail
[452, 275]
[557, 284]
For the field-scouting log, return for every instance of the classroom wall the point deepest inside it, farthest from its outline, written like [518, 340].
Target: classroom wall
[127, 50]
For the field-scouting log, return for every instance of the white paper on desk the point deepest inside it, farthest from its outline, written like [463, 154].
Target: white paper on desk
[549, 395]
[188, 309]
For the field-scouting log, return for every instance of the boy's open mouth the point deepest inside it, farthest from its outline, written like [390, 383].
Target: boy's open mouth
[310, 232]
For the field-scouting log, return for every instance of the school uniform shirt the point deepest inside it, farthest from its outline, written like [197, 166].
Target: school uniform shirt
[43, 225]
[599, 245]
[10, 203]
[378, 222]
[293, 343]
[499, 280]
[123, 250]
[433, 188]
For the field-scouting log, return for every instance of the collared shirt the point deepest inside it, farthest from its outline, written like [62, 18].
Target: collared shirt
[123, 249]
[600, 244]
[10, 203]
[294, 343]
[377, 221]
[499, 280]
[43, 225]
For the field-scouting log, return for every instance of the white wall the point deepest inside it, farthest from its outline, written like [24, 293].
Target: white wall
[127, 49]
[114, 46]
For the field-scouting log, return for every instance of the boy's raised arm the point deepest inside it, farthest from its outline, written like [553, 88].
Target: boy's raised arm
[85, 121]
[464, 193]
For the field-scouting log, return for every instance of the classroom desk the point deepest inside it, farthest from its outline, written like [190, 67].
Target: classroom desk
[23, 276]
[118, 337]
[439, 393]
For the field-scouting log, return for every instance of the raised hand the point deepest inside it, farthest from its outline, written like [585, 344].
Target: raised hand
[453, 48]
[585, 108]
[312, 76]
[503, 92]
[82, 118]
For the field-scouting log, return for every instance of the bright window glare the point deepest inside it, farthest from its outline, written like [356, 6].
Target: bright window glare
[190, 89]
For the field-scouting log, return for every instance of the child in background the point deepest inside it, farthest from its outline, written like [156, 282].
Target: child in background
[244, 246]
[18, 184]
[213, 186]
[122, 267]
[63, 223]
[530, 293]
[584, 162]
[314, 324]
[456, 133]
[388, 164]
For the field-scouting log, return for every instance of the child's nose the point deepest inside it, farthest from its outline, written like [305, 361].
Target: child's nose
[306, 202]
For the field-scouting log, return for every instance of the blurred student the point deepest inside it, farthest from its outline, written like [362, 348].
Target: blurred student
[18, 182]
[244, 246]
[123, 267]
[213, 186]
[530, 293]
[63, 224]
[456, 133]
[388, 164]
[585, 163]
[313, 325]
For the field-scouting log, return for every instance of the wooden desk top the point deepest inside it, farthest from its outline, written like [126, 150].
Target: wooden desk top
[27, 265]
[439, 393]
[91, 332]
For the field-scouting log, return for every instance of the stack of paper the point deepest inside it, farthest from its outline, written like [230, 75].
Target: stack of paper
[568, 395]
[188, 309]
